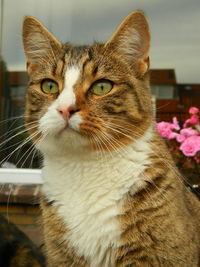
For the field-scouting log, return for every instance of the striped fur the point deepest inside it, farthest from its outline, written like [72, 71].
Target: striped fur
[112, 195]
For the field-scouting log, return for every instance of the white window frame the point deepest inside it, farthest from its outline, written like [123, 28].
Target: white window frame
[20, 176]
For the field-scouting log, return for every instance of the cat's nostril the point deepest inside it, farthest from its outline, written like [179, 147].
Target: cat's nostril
[68, 112]
[63, 113]
[72, 110]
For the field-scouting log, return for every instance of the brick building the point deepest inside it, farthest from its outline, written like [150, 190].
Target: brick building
[172, 99]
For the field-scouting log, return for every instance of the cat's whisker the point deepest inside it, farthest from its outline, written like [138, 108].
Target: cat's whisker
[10, 126]
[28, 151]
[110, 139]
[119, 146]
[8, 133]
[26, 140]
[13, 118]
[100, 143]
[163, 193]
[8, 147]
[108, 142]
[121, 130]
[17, 134]
[34, 150]
[97, 144]
[125, 123]
[39, 140]
[20, 146]
[104, 141]
[115, 130]
[158, 154]
[8, 201]
[29, 139]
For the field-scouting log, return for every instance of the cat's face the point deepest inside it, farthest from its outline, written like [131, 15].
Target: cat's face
[94, 97]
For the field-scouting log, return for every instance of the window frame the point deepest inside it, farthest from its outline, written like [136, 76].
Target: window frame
[20, 176]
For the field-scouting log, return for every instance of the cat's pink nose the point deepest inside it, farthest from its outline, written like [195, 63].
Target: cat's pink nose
[67, 112]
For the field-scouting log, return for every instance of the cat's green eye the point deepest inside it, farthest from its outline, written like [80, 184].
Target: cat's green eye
[101, 87]
[49, 86]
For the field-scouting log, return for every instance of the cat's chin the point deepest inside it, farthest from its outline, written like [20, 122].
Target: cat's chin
[66, 130]
[66, 141]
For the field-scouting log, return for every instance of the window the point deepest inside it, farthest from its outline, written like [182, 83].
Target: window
[163, 91]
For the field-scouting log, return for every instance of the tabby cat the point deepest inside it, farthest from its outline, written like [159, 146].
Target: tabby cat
[112, 195]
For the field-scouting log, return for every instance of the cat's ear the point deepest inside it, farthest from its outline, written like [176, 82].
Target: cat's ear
[41, 47]
[132, 40]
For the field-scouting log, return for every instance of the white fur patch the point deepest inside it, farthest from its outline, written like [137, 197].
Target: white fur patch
[49, 119]
[88, 191]
[67, 97]
[75, 121]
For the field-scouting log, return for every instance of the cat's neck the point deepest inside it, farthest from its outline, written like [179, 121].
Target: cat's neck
[82, 170]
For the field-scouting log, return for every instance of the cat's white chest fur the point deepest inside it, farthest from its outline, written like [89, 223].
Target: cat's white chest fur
[88, 191]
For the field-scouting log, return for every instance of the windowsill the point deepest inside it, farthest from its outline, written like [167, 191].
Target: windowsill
[20, 186]
[20, 176]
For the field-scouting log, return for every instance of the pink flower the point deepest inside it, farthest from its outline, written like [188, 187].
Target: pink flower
[193, 110]
[164, 128]
[175, 124]
[194, 119]
[191, 146]
[172, 135]
[186, 123]
[180, 138]
[188, 132]
[185, 133]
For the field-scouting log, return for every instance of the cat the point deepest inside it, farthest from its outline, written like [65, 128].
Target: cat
[112, 195]
[16, 249]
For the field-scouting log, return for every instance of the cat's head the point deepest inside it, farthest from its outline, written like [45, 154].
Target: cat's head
[92, 97]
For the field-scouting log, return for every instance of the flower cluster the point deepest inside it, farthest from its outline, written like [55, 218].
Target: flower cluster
[188, 138]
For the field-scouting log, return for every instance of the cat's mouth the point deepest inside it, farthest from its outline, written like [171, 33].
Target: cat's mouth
[66, 129]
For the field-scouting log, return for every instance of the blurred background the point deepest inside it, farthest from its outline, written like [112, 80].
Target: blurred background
[175, 53]
[174, 75]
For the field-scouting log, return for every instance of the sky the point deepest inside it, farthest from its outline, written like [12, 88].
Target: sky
[174, 24]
